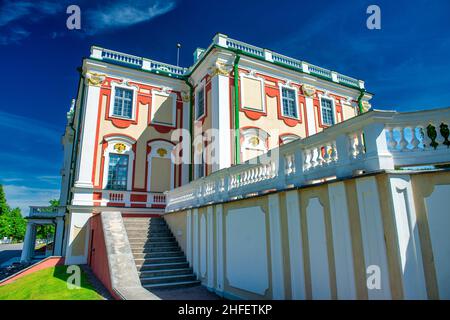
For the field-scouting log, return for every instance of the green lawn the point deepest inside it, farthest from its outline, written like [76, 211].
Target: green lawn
[48, 284]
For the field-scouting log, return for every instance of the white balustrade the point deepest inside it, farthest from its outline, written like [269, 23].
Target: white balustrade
[374, 141]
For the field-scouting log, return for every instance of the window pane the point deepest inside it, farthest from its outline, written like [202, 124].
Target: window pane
[117, 172]
[327, 111]
[200, 103]
[123, 103]
[289, 103]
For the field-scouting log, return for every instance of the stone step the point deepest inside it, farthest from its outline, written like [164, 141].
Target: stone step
[162, 266]
[142, 234]
[172, 285]
[162, 254]
[164, 272]
[160, 260]
[151, 239]
[168, 279]
[173, 248]
[156, 245]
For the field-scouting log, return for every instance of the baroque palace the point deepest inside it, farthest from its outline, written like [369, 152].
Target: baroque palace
[252, 173]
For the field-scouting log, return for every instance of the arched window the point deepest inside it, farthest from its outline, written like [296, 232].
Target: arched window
[161, 169]
[118, 166]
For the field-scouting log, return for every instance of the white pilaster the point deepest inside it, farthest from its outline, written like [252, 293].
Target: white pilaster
[310, 116]
[189, 237]
[318, 254]
[210, 232]
[83, 177]
[219, 249]
[195, 244]
[372, 233]
[276, 249]
[59, 236]
[342, 243]
[78, 237]
[408, 245]
[220, 111]
[295, 246]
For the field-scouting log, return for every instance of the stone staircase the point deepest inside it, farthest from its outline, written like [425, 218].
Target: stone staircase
[159, 260]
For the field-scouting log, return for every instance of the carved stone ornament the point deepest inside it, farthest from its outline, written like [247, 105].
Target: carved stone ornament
[366, 106]
[161, 152]
[308, 90]
[95, 79]
[185, 96]
[119, 147]
[220, 68]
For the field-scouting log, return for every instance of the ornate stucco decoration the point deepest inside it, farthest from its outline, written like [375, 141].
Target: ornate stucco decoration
[161, 152]
[119, 147]
[185, 96]
[220, 68]
[254, 141]
[308, 90]
[366, 106]
[166, 90]
[95, 79]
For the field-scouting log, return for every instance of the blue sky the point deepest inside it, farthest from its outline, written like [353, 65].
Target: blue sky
[406, 63]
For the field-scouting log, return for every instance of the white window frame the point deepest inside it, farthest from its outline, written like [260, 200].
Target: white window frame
[201, 85]
[242, 91]
[155, 145]
[174, 107]
[123, 85]
[281, 86]
[128, 151]
[333, 109]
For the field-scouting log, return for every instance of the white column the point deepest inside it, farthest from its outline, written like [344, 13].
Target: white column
[310, 116]
[28, 243]
[276, 249]
[186, 144]
[220, 111]
[87, 142]
[59, 236]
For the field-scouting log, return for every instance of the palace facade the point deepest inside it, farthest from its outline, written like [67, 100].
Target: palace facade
[140, 131]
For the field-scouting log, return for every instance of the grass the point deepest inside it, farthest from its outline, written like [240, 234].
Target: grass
[48, 284]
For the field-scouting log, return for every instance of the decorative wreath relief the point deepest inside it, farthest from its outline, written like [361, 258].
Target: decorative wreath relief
[443, 128]
[162, 152]
[119, 147]
[432, 134]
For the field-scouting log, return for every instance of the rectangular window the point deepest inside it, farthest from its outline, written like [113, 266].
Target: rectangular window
[123, 103]
[289, 103]
[327, 111]
[200, 103]
[117, 172]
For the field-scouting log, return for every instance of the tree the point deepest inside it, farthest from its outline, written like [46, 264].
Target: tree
[12, 224]
[4, 208]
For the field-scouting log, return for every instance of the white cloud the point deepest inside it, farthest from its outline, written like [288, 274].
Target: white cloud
[35, 128]
[11, 11]
[122, 14]
[15, 35]
[24, 197]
